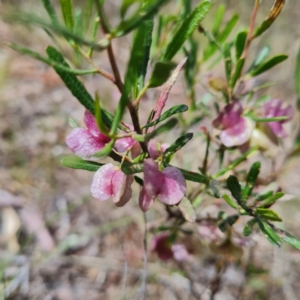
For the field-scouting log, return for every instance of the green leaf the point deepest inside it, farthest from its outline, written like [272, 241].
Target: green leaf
[126, 5]
[228, 61]
[144, 39]
[221, 38]
[105, 151]
[98, 115]
[291, 240]
[130, 168]
[260, 58]
[251, 179]
[187, 210]
[218, 19]
[192, 176]
[268, 64]
[161, 72]
[236, 162]
[136, 70]
[240, 42]
[51, 11]
[170, 112]
[130, 24]
[74, 162]
[237, 72]
[177, 145]
[235, 188]
[67, 11]
[170, 124]
[268, 214]
[297, 76]
[273, 14]
[76, 87]
[27, 18]
[249, 226]
[269, 233]
[186, 29]
[267, 120]
[228, 222]
[230, 202]
[271, 200]
[50, 62]
[264, 196]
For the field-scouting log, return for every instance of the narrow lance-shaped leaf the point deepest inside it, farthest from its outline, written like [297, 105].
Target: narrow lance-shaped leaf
[268, 214]
[288, 238]
[237, 72]
[186, 29]
[228, 222]
[264, 196]
[228, 61]
[163, 97]
[297, 78]
[221, 38]
[177, 145]
[269, 233]
[273, 14]
[230, 202]
[170, 124]
[240, 42]
[271, 200]
[268, 64]
[235, 188]
[236, 162]
[74, 162]
[187, 210]
[144, 37]
[51, 11]
[27, 18]
[192, 176]
[127, 26]
[262, 55]
[218, 19]
[50, 62]
[251, 179]
[67, 11]
[170, 112]
[76, 87]
[249, 226]
[161, 72]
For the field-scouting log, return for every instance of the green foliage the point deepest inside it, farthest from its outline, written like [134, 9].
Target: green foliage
[176, 146]
[170, 112]
[187, 210]
[186, 29]
[74, 162]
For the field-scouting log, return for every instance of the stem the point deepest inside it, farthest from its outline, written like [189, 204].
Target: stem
[118, 80]
[251, 29]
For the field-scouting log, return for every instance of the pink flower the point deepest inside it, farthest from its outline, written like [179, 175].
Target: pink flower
[124, 144]
[276, 108]
[110, 182]
[86, 142]
[162, 246]
[168, 186]
[236, 130]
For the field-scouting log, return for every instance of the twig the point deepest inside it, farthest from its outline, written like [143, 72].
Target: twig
[251, 29]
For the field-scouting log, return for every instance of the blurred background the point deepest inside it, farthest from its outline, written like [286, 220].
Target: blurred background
[56, 242]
